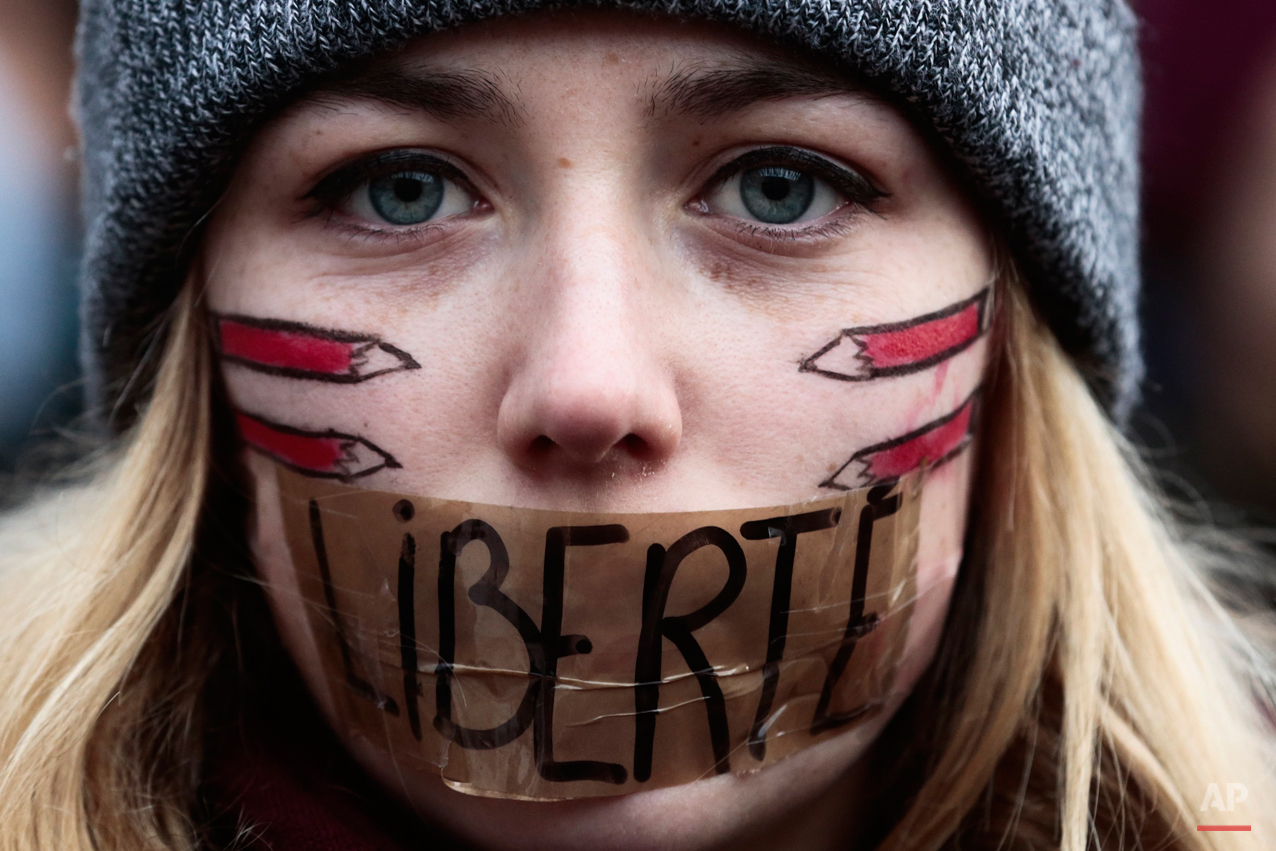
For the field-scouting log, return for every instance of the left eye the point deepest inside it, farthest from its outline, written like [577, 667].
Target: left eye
[774, 195]
[408, 197]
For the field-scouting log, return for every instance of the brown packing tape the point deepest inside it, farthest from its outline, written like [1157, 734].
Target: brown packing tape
[548, 655]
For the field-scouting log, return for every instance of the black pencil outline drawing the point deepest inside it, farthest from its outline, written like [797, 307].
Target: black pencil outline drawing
[864, 455]
[351, 441]
[871, 372]
[364, 345]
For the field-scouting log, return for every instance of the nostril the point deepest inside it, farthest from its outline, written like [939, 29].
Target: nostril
[570, 423]
[540, 447]
[636, 446]
[543, 446]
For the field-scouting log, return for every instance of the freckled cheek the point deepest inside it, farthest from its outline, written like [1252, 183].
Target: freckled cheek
[389, 394]
[945, 506]
[942, 531]
[394, 349]
[810, 432]
[407, 423]
[274, 566]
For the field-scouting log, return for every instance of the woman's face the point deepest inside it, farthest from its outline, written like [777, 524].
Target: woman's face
[620, 254]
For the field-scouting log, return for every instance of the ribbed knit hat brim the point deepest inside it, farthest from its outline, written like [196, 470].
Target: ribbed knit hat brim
[1038, 101]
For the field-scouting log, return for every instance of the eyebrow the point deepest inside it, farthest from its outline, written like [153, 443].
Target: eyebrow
[691, 91]
[712, 92]
[445, 94]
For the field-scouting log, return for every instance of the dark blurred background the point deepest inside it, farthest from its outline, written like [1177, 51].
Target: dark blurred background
[1209, 421]
[1210, 250]
[39, 232]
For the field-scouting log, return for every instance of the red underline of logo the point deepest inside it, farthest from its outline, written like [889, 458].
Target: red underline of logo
[1201, 827]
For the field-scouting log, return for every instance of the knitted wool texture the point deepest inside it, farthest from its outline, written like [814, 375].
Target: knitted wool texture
[1038, 101]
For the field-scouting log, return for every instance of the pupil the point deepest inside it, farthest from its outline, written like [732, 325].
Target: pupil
[407, 189]
[776, 195]
[775, 188]
[406, 198]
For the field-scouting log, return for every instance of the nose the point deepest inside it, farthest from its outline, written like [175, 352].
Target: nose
[590, 390]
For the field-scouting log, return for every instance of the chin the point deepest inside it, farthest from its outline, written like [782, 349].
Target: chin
[811, 791]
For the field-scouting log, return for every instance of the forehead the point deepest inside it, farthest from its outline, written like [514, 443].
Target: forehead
[661, 66]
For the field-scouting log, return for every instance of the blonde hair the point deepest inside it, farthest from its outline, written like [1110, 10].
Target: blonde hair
[92, 577]
[1089, 690]
[1096, 686]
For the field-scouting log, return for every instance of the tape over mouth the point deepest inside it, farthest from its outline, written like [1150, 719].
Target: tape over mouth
[547, 655]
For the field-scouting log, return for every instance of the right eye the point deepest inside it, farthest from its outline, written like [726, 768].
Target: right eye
[776, 195]
[781, 190]
[408, 198]
[397, 188]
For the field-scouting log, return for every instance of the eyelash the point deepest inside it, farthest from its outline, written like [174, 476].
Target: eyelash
[810, 233]
[336, 188]
[851, 184]
[858, 191]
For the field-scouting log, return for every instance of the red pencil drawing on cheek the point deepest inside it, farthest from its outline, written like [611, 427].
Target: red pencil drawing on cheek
[900, 348]
[297, 350]
[935, 443]
[324, 454]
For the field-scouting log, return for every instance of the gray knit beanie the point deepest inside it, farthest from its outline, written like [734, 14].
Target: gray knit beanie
[1038, 101]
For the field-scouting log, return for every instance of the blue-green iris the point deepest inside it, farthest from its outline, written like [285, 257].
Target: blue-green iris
[775, 194]
[406, 198]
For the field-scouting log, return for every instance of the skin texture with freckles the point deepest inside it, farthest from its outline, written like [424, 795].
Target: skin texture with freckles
[600, 327]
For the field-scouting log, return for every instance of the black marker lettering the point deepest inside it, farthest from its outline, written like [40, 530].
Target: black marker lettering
[787, 530]
[485, 592]
[360, 686]
[661, 568]
[407, 632]
[545, 644]
[879, 505]
[557, 646]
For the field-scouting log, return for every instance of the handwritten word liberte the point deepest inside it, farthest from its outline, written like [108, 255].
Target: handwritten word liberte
[546, 644]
